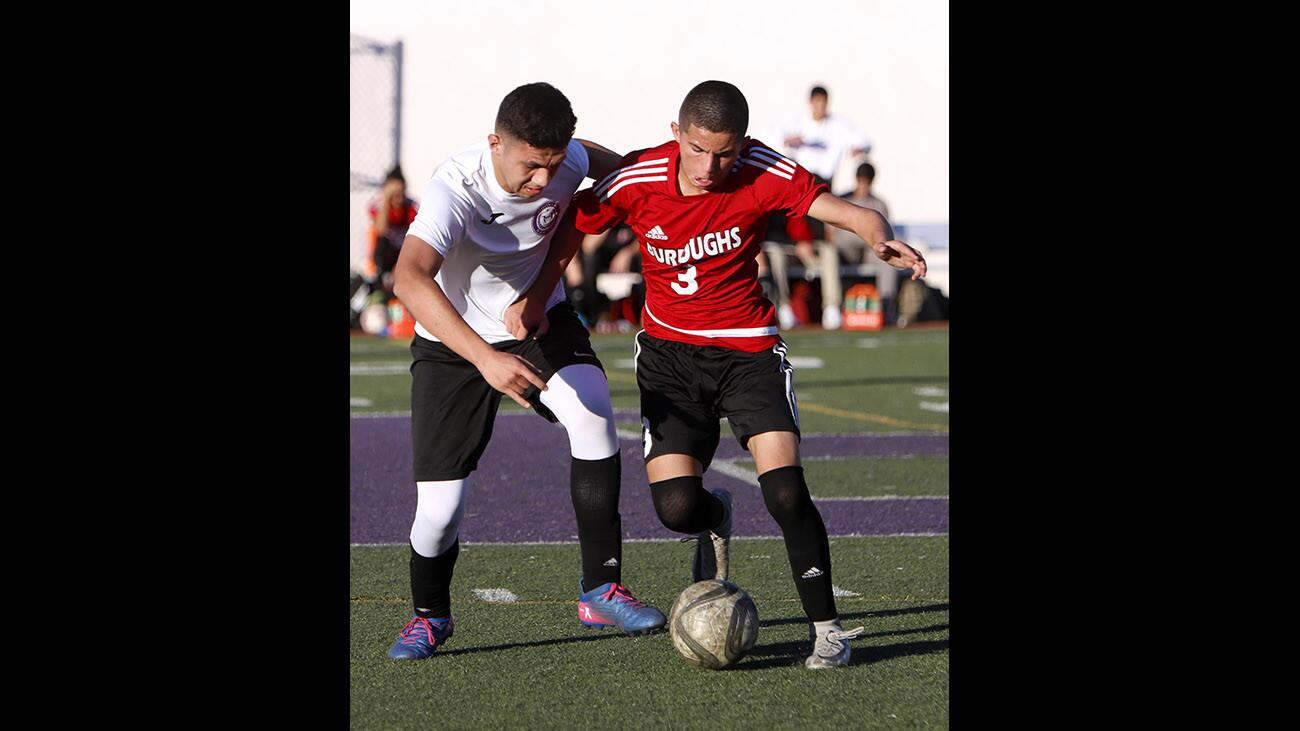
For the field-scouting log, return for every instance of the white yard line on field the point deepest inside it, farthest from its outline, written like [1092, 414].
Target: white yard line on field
[496, 596]
[379, 369]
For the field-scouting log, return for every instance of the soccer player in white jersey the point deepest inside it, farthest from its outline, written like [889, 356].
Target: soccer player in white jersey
[699, 203]
[482, 235]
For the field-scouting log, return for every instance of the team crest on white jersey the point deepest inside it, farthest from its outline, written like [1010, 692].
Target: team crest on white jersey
[656, 233]
[546, 217]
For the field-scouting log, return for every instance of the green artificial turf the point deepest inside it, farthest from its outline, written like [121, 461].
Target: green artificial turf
[531, 664]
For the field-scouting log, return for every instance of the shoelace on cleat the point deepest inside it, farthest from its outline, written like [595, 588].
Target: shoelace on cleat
[618, 593]
[410, 633]
[688, 539]
[834, 641]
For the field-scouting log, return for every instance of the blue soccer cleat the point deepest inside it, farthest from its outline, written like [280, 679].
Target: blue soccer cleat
[613, 605]
[420, 637]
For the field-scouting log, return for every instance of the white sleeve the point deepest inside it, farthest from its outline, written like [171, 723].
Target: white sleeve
[576, 157]
[855, 138]
[442, 218]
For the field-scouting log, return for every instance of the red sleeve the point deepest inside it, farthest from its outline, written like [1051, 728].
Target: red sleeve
[598, 213]
[593, 215]
[798, 194]
[786, 183]
[412, 208]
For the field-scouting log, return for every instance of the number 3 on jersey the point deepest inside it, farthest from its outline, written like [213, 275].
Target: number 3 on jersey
[689, 286]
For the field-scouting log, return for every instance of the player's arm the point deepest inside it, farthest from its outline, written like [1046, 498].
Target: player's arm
[789, 133]
[872, 228]
[415, 286]
[601, 161]
[622, 261]
[527, 316]
[861, 143]
[587, 214]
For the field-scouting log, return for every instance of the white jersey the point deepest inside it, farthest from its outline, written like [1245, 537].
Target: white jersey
[824, 142]
[493, 243]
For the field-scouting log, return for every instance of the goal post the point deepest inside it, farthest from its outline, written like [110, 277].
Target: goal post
[374, 131]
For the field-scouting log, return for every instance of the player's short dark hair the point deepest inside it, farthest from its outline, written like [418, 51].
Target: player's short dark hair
[537, 114]
[715, 106]
[867, 170]
[818, 91]
[395, 174]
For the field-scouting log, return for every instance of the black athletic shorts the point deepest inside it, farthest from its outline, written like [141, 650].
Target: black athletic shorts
[453, 408]
[686, 389]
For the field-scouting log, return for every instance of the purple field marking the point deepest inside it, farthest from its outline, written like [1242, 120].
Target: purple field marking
[520, 491]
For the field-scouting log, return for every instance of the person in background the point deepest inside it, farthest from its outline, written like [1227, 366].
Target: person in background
[391, 214]
[854, 249]
[819, 142]
[616, 250]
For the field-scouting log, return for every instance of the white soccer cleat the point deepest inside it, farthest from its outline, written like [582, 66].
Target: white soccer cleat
[831, 318]
[713, 547]
[831, 648]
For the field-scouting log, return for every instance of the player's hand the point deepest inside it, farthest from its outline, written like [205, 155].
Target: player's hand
[526, 317]
[511, 375]
[794, 141]
[899, 255]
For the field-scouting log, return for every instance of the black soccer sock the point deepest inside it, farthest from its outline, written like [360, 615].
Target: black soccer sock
[431, 581]
[786, 495]
[593, 485]
[685, 506]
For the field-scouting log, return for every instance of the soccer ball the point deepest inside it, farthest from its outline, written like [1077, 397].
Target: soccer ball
[713, 623]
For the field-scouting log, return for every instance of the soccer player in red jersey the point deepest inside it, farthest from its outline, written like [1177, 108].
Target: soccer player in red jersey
[711, 349]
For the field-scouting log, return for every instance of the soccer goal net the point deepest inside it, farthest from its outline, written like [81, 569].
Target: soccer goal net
[374, 130]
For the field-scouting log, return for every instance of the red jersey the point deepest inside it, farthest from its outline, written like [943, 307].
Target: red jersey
[398, 217]
[698, 252]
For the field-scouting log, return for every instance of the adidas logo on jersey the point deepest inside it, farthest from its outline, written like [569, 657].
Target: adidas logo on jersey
[698, 248]
[812, 573]
[656, 233]
[611, 562]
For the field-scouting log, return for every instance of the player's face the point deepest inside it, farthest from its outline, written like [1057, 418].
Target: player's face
[818, 105]
[394, 193]
[522, 169]
[706, 157]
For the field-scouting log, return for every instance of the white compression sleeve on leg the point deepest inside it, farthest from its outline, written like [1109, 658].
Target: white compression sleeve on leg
[578, 395]
[438, 511]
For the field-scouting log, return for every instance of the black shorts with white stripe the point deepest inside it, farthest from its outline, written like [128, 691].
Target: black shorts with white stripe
[686, 389]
